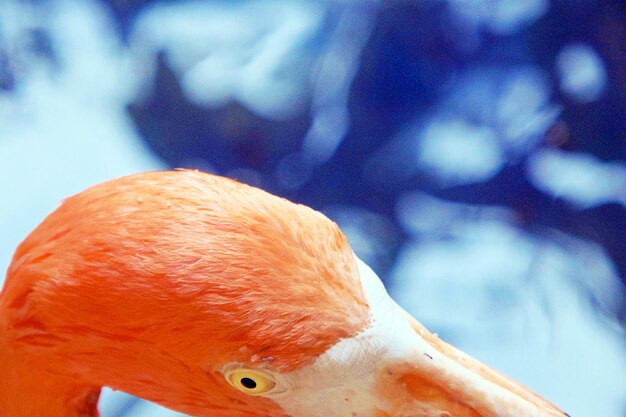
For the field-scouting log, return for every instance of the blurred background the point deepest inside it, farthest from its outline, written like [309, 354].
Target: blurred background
[473, 151]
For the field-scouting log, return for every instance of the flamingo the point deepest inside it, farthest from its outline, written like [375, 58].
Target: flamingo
[214, 298]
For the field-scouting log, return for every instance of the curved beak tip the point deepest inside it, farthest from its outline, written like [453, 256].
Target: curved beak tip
[445, 382]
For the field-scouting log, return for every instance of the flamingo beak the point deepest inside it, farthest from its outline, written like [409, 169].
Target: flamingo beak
[441, 381]
[419, 375]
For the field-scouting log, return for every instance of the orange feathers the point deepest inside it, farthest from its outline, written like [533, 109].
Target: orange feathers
[150, 282]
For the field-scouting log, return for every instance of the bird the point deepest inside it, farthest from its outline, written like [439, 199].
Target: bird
[217, 299]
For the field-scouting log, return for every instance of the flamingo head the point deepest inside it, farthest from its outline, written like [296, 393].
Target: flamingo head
[214, 298]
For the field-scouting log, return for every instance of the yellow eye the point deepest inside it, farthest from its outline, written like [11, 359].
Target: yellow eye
[251, 382]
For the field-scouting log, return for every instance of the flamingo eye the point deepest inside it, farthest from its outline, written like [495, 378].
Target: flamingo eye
[251, 382]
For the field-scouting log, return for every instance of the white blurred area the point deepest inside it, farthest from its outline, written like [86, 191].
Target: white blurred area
[242, 51]
[582, 73]
[578, 178]
[516, 300]
[499, 16]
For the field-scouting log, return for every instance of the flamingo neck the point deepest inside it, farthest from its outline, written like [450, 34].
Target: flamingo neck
[29, 385]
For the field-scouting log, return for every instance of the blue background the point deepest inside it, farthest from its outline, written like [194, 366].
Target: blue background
[473, 151]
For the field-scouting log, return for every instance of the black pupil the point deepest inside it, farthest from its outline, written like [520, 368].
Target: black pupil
[248, 383]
